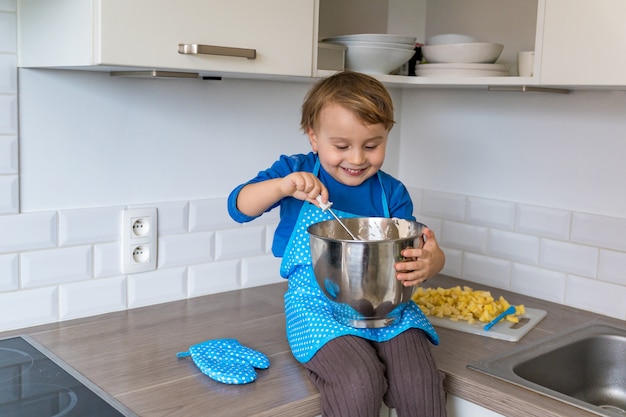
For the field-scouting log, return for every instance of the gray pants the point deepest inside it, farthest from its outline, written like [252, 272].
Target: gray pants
[355, 375]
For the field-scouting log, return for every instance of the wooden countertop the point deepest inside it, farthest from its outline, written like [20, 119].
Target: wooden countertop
[132, 356]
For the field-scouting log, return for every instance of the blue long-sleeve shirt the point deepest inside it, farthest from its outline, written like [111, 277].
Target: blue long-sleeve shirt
[364, 199]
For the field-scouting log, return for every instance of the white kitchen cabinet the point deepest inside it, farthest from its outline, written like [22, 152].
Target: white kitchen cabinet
[458, 407]
[384, 412]
[584, 43]
[278, 35]
[577, 43]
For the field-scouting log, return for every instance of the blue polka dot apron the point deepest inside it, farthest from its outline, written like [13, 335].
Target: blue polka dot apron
[309, 314]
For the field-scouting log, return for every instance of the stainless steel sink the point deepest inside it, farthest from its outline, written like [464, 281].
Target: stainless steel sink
[584, 366]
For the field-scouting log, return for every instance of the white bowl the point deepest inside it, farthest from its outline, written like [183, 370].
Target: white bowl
[374, 44]
[374, 37]
[377, 60]
[478, 52]
[446, 38]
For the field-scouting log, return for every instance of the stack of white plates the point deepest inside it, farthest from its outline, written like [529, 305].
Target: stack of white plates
[375, 53]
[462, 70]
[453, 55]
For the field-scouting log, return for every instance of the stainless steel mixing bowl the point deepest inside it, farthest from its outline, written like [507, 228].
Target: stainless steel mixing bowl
[358, 276]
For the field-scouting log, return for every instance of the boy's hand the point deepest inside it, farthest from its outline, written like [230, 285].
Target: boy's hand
[424, 263]
[255, 198]
[304, 186]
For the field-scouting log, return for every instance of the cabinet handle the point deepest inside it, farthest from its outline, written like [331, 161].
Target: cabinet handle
[196, 49]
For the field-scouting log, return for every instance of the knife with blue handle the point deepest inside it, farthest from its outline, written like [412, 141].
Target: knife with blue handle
[500, 316]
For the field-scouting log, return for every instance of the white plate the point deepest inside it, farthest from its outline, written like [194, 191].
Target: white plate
[465, 66]
[372, 44]
[462, 70]
[373, 37]
[460, 73]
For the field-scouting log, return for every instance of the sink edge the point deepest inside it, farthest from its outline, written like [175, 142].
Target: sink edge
[501, 365]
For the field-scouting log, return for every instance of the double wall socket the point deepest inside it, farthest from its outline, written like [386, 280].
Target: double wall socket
[139, 240]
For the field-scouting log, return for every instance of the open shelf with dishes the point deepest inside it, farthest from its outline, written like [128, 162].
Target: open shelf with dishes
[516, 25]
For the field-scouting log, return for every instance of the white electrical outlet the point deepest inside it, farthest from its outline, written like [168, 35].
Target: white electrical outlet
[139, 240]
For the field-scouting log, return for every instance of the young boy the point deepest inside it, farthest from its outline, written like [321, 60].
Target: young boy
[347, 118]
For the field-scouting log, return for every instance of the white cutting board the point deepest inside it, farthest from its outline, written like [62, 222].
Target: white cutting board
[503, 330]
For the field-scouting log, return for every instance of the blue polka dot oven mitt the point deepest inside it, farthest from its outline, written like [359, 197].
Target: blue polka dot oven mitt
[227, 361]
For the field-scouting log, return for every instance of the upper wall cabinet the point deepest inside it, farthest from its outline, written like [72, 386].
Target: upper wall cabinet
[584, 43]
[274, 37]
[576, 42]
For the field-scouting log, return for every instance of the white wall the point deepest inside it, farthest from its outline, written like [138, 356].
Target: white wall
[90, 140]
[564, 151]
[92, 145]
[523, 190]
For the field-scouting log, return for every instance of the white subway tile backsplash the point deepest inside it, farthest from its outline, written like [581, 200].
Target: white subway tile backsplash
[596, 296]
[242, 241]
[260, 270]
[464, 236]
[209, 214]
[569, 257]
[172, 218]
[214, 277]
[444, 205]
[513, 246]
[9, 279]
[454, 262]
[612, 267]
[601, 231]
[485, 270]
[492, 213]
[107, 259]
[156, 287]
[9, 194]
[8, 114]
[269, 217]
[8, 155]
[90, 225]
[489, 254]
[8, 73]
[545, 222]
[28, 231]
[537, 282]
[185, 249]
[8, 32]
[270, 229]
[436, 225]
[272, 217]
[88, 298]
[56, 266]
[29, 308]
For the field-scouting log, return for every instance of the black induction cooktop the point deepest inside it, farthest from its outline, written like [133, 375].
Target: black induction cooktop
[36, 383]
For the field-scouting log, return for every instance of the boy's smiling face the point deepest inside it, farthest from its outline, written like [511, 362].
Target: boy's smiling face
[349, 150]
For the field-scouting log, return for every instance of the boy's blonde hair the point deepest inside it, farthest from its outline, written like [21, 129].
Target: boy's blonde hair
[364, 95]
